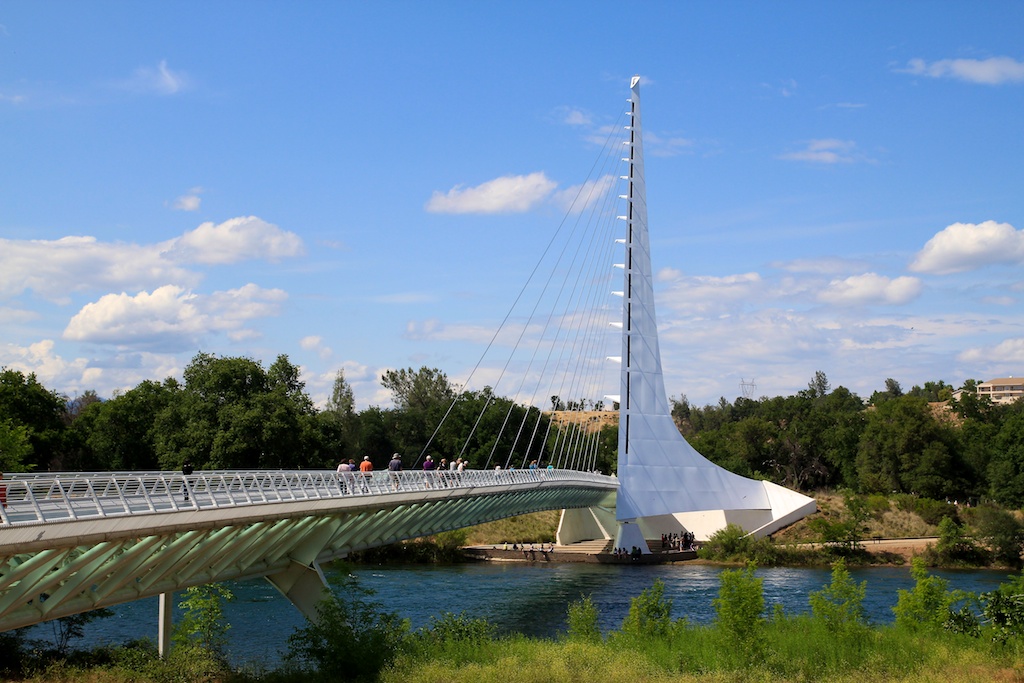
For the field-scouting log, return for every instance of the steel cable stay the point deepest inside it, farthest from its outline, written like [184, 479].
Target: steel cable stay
[505, 320]
[591, 198]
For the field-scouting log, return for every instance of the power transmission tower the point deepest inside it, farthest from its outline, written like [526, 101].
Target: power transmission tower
[748, 388]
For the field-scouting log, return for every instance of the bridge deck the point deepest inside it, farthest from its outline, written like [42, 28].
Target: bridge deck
[74, 542]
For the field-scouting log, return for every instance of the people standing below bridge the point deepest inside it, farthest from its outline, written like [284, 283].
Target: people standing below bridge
[186, 470]
[394, 467]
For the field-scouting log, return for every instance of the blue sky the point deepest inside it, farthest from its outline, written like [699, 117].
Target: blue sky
[365, 186]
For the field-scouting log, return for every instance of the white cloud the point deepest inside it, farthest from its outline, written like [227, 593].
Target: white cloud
[404, 298]
[825, 151]
[17, 315]
[871, 288]
[573, 117]
[170, 317]
[55, 268]
[579, 198]
[161, 80]
[316, 343]
[508, 194]
[991, 71]
[656, 145]
[965, 246]
[189, 201]
[236, 240]
[1009, 352]
[39, 358]
[705, 294]
[821, 266]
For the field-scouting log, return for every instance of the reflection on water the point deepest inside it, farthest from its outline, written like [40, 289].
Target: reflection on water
[524, 598]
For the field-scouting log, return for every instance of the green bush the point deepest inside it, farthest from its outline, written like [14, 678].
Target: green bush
[582, 621]
[203, 623]
[878, 504]
[928, 605]
[347, 622]
[934, 511]
[1000, 531]
[650, 614]
[955, 547]
[726, 544]
[740, 606]
[840, 604]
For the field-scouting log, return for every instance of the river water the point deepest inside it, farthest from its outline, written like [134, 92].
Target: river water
[527, 598]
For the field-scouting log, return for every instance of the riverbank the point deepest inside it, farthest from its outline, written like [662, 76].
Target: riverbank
[526, 605]
[577, 553]
[887, 551]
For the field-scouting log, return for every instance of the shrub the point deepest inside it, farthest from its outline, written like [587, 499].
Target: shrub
[955, 547]
[934, 511]
[459, 629]
[740, 605]
[203, 623]
[650, 614]
[1001, 532]
[725, 544]
[878, 504]
[347, 622]
[928, 605]
[582, 621]
[841, 603]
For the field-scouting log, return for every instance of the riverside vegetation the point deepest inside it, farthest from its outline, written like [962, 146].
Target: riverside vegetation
[938, 634]
[232, 413]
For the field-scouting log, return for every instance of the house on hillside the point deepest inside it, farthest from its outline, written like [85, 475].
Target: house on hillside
[999, 390]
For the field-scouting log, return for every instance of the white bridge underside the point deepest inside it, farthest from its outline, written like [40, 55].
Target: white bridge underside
[666, 485]
[76, 543]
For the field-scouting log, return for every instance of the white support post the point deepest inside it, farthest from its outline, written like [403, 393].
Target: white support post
[165, 624]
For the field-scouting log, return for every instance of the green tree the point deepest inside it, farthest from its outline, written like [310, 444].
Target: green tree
[582, 620]
[202, 623]
[739, 608]
[956, 547]
[418, 390]
[1000, 531]
[1006, 467]
[819, 386]
[905, 448]
[650, 614]
[27, 403]
[71, 628]
[841, 603]
[347, 621]
[232, 415]
[929, 605]
[121, 432]
[15, 447]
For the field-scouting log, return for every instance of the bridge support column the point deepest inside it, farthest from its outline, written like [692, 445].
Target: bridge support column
[303, 585]
[166, 624]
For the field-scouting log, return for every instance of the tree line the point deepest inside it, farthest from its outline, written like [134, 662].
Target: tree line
[922, 441]
[232, 413]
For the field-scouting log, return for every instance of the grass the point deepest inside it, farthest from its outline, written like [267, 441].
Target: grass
[538, 527]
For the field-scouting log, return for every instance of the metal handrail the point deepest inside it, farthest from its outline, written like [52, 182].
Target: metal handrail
[40, 498]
